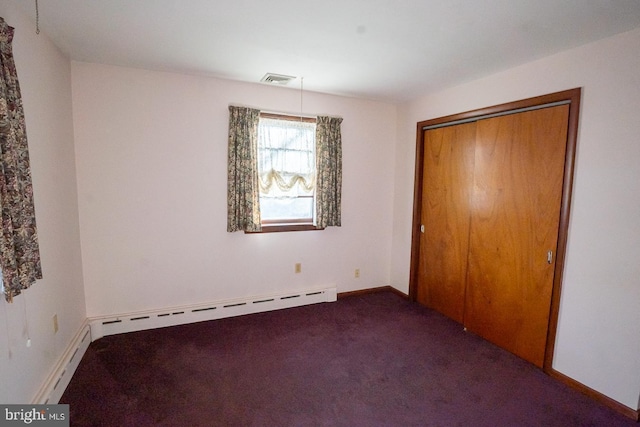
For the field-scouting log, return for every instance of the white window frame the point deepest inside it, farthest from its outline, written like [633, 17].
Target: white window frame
[290, 224]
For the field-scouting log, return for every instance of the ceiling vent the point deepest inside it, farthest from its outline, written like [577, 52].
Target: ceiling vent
[278, 79]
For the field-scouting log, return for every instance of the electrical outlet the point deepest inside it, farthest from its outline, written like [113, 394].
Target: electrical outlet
[357, 273]
[298, 267]
[55, 323]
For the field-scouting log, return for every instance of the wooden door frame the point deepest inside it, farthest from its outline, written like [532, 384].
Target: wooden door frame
[573, 97]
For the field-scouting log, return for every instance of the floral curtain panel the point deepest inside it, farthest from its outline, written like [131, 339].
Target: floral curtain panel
[243, 196]
[328, 171]
[19, 250]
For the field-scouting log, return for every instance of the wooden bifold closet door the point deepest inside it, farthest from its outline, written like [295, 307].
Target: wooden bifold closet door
[491, 199]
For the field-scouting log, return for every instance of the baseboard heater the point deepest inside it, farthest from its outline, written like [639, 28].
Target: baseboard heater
[111, 325]
[54, 386]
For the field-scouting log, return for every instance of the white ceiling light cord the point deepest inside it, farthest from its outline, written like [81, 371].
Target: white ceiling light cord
[26, 319]
[6, 322]
[301, 90]
[37, 19]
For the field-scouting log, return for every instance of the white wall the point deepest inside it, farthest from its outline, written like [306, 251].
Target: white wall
[598, 340]
[151, 154]
[45, 80]
[150, 150]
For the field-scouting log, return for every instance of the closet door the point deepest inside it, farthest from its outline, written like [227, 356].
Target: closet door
[447, 184]
[515, 214]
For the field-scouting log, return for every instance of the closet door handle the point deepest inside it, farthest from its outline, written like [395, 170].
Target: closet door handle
[549, 257]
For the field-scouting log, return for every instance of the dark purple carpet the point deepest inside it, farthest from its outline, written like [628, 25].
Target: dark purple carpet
[372, 360]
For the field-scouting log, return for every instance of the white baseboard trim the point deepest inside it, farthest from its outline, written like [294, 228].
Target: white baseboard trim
[143, 320]
[54, 386]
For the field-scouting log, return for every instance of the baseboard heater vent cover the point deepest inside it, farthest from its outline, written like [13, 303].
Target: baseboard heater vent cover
[111, 325]
[54, 386]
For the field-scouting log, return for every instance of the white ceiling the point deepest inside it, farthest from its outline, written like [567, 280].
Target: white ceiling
[391, 50]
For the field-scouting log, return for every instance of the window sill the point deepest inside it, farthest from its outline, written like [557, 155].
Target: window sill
[279, 228]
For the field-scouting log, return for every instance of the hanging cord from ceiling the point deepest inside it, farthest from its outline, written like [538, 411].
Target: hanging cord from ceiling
[37, 19]
[301, 90]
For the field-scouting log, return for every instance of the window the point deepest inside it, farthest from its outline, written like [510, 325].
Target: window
[286, 170]
[291, 180]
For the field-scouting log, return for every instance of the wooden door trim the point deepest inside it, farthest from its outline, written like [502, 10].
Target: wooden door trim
[571, 95]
